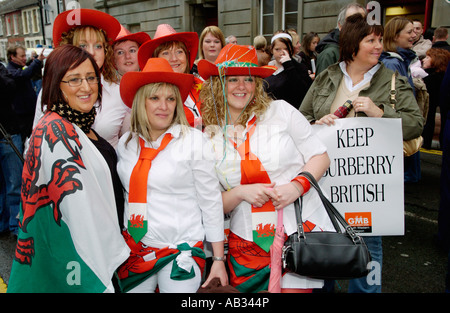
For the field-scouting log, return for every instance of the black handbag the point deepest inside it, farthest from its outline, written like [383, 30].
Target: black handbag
[325, 255]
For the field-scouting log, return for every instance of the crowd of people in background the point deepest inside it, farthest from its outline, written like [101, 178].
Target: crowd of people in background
[118, 127]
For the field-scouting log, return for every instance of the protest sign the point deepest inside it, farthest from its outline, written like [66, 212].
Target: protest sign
[365, 178]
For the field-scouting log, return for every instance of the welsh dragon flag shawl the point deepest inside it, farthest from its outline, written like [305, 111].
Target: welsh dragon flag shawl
[69, 239]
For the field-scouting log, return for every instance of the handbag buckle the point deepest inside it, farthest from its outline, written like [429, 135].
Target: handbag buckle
[300, 232]
[283, 255]
[351, 232]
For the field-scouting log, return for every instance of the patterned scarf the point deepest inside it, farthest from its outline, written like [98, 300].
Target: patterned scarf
[82, 120]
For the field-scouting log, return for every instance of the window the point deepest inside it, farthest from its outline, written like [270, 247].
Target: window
[25, 27]
[16, 23]
[8, 25]
[290, 9]
[46, 9]
[35, 19]
[61, 6]
[277, 14]
[267, 18]
[30, 21]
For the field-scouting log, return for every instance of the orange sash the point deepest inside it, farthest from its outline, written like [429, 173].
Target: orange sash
[137, 196]
[252, 172]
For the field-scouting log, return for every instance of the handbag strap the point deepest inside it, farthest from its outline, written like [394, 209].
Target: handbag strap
[393, 92]
[332, 212]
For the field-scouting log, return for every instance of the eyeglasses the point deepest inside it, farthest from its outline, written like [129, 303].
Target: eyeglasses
[75, 82]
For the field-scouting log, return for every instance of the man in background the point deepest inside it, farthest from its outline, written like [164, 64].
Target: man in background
[231, 39]
[10, 162]
[328, 47]
[440, 38]
[421, 45]
[24, 99]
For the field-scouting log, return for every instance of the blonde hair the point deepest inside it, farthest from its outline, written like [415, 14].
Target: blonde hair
[139, 119]
[260, 42]
[216, 32]
[76, 34]
[391, 30]
[214, 110]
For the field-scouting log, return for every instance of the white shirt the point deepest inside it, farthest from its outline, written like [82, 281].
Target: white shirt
[110, 116]
[284, 143]
[367, 76]
[184, 201]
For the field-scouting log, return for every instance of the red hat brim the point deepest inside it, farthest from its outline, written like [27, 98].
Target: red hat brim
[207, 69]
[132, 81]
[190, 40]
[85, 17]
[139, 37]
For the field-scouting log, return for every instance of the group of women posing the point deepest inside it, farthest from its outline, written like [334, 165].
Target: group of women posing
[178, 176]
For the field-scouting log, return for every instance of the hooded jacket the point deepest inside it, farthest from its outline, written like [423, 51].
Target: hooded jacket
[400, 61]
[328, 50]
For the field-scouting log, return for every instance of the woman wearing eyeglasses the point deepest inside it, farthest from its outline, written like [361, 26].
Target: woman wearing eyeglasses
[69, 238]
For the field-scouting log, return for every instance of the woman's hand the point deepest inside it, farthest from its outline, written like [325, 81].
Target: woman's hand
[286, 194]
[366, 105]
[257, 194]
[217, 270]
[218, 267]
[327, 119]
[285, 57]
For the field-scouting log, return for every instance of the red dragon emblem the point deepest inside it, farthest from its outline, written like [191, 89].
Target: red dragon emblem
[54, 130]
[136, 221]
[265, 231]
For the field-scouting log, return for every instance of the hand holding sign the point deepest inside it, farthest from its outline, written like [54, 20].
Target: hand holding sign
[366, 105]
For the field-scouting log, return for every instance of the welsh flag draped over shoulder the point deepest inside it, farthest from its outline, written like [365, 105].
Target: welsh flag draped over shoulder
[69, 239]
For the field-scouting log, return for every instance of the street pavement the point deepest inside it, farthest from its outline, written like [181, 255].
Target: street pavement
[412, 263]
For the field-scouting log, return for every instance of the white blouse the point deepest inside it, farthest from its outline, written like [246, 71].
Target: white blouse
[283, 141]
[184, 201]
[110, 116]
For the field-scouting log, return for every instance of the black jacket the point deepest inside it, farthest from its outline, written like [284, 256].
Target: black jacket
[8, 118]
[441, 45]
[290, 85]
[25, 98]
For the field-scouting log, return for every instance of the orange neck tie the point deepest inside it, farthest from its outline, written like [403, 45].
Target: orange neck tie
[137, 196]
[252, 172]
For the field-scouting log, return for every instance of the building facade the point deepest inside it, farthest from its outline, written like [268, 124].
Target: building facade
[248, 18]
[30, 22]
[19, 24]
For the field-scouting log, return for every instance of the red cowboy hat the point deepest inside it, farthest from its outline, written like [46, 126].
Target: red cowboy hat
[125, 34]
[235, 60]
[165, 33]
[85, 17]
[156, 70]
